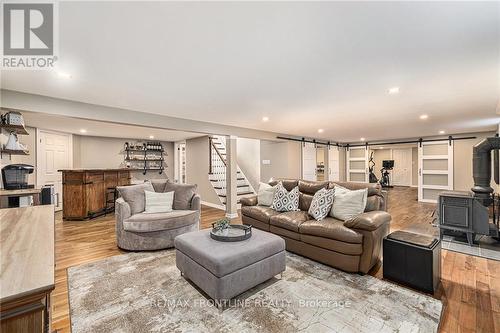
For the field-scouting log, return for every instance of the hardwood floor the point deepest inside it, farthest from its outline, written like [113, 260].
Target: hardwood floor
[470, 287]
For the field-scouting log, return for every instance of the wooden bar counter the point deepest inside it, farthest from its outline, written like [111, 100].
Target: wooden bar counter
[26, 268]
[85, 190]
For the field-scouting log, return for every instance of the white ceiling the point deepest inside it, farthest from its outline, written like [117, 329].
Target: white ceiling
[304, 65]
[99, 128]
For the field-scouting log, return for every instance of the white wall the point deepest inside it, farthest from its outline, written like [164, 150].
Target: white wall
[248, 151]
[197, 154]
[284, 157]
[91, 152]
[462, 160]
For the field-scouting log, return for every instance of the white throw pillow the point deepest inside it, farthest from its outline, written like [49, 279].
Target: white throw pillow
[285, 201]
[348, 204]
[159, 202]
[265, 195]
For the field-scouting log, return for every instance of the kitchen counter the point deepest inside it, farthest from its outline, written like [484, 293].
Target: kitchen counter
[99, 170]
[25, 192]
[26, 268]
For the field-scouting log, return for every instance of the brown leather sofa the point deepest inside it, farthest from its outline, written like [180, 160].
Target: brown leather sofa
[353, 246]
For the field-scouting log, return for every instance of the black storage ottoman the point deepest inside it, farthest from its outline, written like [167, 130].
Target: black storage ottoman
[413, 260]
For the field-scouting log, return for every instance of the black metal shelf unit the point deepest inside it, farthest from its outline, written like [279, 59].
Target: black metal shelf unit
[145, 154]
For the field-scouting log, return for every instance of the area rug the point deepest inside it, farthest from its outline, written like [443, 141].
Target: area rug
[144, 292]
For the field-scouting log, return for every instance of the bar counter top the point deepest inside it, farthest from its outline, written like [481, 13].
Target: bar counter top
[99, 170]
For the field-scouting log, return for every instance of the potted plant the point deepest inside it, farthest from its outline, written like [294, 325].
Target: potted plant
[222, 226]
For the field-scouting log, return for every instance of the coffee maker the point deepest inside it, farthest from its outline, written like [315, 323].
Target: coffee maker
[15, 176]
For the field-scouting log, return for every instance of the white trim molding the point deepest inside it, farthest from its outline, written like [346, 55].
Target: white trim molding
[232, 216]
[209, 204]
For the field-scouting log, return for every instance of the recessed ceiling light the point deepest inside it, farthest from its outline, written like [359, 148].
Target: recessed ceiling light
[83, 130]
[362, 139]
[265, 118]
[381, 148]
[424, 116]
[393, 90]
[151, 136]
[442, 132]
[321, 130]
[64, 75]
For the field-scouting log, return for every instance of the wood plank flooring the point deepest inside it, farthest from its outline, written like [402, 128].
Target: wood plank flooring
[470, 287]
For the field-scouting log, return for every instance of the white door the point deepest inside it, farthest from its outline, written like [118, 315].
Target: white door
[333, 164]
[435, 169]
[180, 162]
[357, 164]
[308, 161]
[401, 174]
[54, 152]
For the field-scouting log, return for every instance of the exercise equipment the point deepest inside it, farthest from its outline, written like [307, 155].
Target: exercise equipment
[387, 165]
[372, 177]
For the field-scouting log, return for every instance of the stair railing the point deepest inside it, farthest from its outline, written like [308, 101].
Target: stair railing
[212, 148]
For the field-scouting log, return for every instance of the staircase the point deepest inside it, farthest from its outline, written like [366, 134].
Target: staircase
[217, 171]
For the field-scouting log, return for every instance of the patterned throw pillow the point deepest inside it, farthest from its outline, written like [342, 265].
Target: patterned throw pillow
[321, 204]
[285, 201]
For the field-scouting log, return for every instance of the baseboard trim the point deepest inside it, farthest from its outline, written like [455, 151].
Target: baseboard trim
[209, 204]
[221, 207]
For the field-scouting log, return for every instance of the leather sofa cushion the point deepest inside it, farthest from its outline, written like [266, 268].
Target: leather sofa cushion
[311, 187]
[284, 232]
[183, 194]
[373, 188]
[290, 220]
[223, 258]
[305, 201]
[331, 228]
[148, 222]
[134, 195]
[333, 245]
[260, 213]
[289, 184]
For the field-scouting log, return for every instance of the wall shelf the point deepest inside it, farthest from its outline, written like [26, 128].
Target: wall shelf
[11, 152]
[18, 129]
[145, 156]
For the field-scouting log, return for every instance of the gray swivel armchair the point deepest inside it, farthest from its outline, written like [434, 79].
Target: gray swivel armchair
[139, 231]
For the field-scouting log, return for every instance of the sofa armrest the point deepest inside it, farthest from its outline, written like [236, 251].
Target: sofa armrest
[369, 221]
[196, 202]
[384, 200]
[122, 210]
[249, 201]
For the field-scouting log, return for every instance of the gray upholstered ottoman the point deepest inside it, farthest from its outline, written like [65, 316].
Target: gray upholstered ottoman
[226, 269]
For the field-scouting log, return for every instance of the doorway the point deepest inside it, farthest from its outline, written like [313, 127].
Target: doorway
[54, 151]
[320, 162]
[402, 172]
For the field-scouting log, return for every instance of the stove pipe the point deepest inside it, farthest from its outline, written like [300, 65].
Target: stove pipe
[481, 163]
